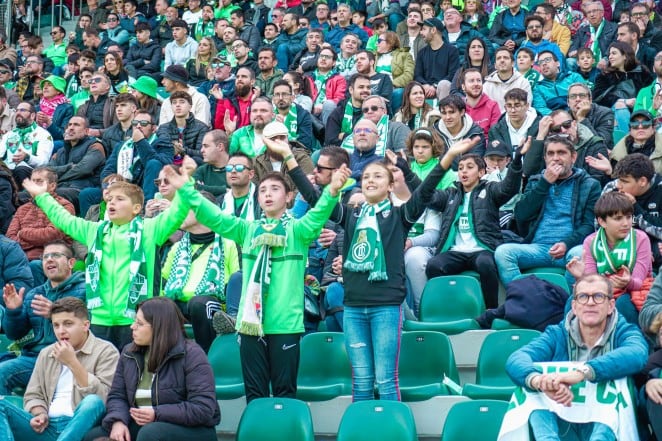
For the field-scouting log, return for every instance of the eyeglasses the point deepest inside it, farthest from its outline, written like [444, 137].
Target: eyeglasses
[141, 122]
[321, 167]
[236, 167]
[545, 60]
[581, 96]
[534, 27]
[163, 181]
[371, 109]
[95, 80]
[365, 130]
[54, 33]
[598, 298]
[237, 46]
[564, 125]
[326, 57]
[517, 106]
[281, 95]
[643, 124]
[47, 256]
[334, 19]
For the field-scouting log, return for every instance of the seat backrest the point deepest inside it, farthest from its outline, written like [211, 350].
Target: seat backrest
[377, 420]
[474, 420]
[556, 279]
[324, 360]
[276, 419]
[425, 356]
[225, 360]
[496, 348]
[450, 298]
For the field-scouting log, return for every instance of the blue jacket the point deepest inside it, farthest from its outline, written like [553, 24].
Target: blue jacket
[14, 266]
[162, 150]
[295, 42]
[551, 95]
[18, 323]
[625, 353]
[335, 35]
[61, 117]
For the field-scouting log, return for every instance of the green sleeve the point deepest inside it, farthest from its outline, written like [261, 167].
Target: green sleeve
[231, 258]
[75, 227]
[210, 215]
[309, 227]
[234, 143]
[165, 224]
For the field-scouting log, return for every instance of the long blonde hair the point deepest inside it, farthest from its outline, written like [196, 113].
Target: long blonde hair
[212, 54]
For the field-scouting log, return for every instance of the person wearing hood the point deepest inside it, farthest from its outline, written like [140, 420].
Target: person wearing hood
[144, 56]
[505, 78]
[594, 335]
[519, 122]
[551, 92]
[484, 111]
[27, 314]
[456, 125]
[182, 48]
[243, 56]
[587, 144]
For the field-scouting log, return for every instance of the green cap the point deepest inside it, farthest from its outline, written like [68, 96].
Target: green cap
[146, 85]
[58, 83]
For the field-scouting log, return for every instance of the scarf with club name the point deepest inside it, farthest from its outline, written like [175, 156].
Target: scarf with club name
[137, 268]
[366, 252]
[271, 233]
[610, 261]
[320, 83]
[382, 135]
[23, 138]
[290, 121]
[127, 158]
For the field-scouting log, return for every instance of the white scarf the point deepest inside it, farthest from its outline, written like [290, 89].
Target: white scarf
[247, 211]
[467, 123]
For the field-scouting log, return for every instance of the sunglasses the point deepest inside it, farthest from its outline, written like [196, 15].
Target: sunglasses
[95, 80]
[641, 124]
[4, 72]
[163, 181]
[236, 167]
[142, 123]
[564, 125]
[217, 65]
[371, 109]
[321, 167]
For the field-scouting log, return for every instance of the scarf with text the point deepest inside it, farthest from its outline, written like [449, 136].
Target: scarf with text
[366, 252]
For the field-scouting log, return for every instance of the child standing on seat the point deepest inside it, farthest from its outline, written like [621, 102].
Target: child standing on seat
[373, 272]
[119, 268]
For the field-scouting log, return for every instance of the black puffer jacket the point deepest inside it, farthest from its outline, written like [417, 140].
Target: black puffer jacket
[137, 55]
[7, 198]
[183, 390]
[191, 137]
[79, 166]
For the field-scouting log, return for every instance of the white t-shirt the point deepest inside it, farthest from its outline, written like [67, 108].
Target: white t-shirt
[61, 404]
[465, 241]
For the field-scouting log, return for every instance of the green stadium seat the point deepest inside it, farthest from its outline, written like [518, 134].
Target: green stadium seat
[555, 278]
[425, 357]
[492, 382]
[545, 270]
[324, 369]
[475, 420]
[449, 304]
[276, 419]
[225, 361]
[377, 420]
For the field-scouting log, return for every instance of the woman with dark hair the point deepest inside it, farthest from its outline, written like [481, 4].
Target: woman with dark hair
[119, 77]
[8, 197]
[478, 57]
[164, 386]
[415, 112]
[618, 84]
[301, 89]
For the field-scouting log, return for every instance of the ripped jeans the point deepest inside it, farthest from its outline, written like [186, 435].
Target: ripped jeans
[372, 339]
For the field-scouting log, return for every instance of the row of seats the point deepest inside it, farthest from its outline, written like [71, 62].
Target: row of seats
[280, 419]
[426, 358]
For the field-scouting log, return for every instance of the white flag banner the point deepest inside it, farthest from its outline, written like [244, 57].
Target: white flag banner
[609, 403]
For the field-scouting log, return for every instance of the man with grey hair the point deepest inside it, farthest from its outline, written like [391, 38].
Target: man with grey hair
[366, 137]
[594, 116]
[598, 35]
[391, 135]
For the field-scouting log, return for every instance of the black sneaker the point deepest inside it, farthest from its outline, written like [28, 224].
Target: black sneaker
[223, 323]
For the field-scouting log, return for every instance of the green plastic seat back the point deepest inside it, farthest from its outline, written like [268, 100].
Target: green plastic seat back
[377, 420]
[556, 279]
[226, 363]
[496, 348]
[450, 298]
[276, 419]
[425, 356]
[475, 420]
[324, 368]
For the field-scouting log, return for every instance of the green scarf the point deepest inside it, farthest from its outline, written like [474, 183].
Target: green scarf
[347, 118]
[127, 158]
[366, 252]
[595, 36]
[271, 233]
[137, 268]
[213, 280]
[610, 261]
[203, 29]
[290, 121]
[320, 84]
[382, 134]
[18, 139]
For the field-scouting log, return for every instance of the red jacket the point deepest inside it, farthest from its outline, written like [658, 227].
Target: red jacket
[335, 88]
[236, 106]
[32, 230]
[485, 114]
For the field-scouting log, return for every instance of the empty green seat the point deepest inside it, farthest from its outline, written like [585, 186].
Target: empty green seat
[276, 419]
[324, 369]
[492, 381]
[225, 361]
[425, 357]
[476, 420]
[449, 304]
[377, 420]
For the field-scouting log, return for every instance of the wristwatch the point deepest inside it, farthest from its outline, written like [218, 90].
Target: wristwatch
[584, 370]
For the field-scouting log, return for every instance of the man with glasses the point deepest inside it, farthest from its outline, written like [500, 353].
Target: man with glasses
[31, 73]
[588, 145]
[328, 85]
[241, 200]
[211, 175]
[554, 215]
[642, 138]
[56, 51]
[269, 74]
[298, 120]
[604, 347]
[640, 14]
[243, 56]
[343, 27]
[223, 80]
[182, 48]
[518, 122]
[551, 92]
[321, 20]
[391, 135]
[100, 108]
[598, 35]
[116, 33]
[534, 39]
[27, 313]
[598, 118]
[277, 15]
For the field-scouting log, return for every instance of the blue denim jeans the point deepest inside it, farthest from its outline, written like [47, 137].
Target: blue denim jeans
[546, 426]
[512, 257]
[372, 339]
[15, 422]
[15, 371]
[333, 300]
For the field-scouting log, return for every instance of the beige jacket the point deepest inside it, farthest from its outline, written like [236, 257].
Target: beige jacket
[99, 358]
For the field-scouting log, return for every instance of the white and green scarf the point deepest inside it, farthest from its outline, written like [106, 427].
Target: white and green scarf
[382, 135]
[595, 37]
[127, 158]
[290, 121]
[271, 233]
[22, 138]
[610, 261]
[248, 209]
[320, 84]
[366, 252]
[137, 268]
[213, 279]
[347, 119]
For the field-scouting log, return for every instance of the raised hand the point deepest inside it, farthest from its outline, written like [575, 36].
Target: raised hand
[13, 299]
[177, 179]
[338, 179]
[34, 188]
[524, 146]
[281, 148]
[601, 163]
